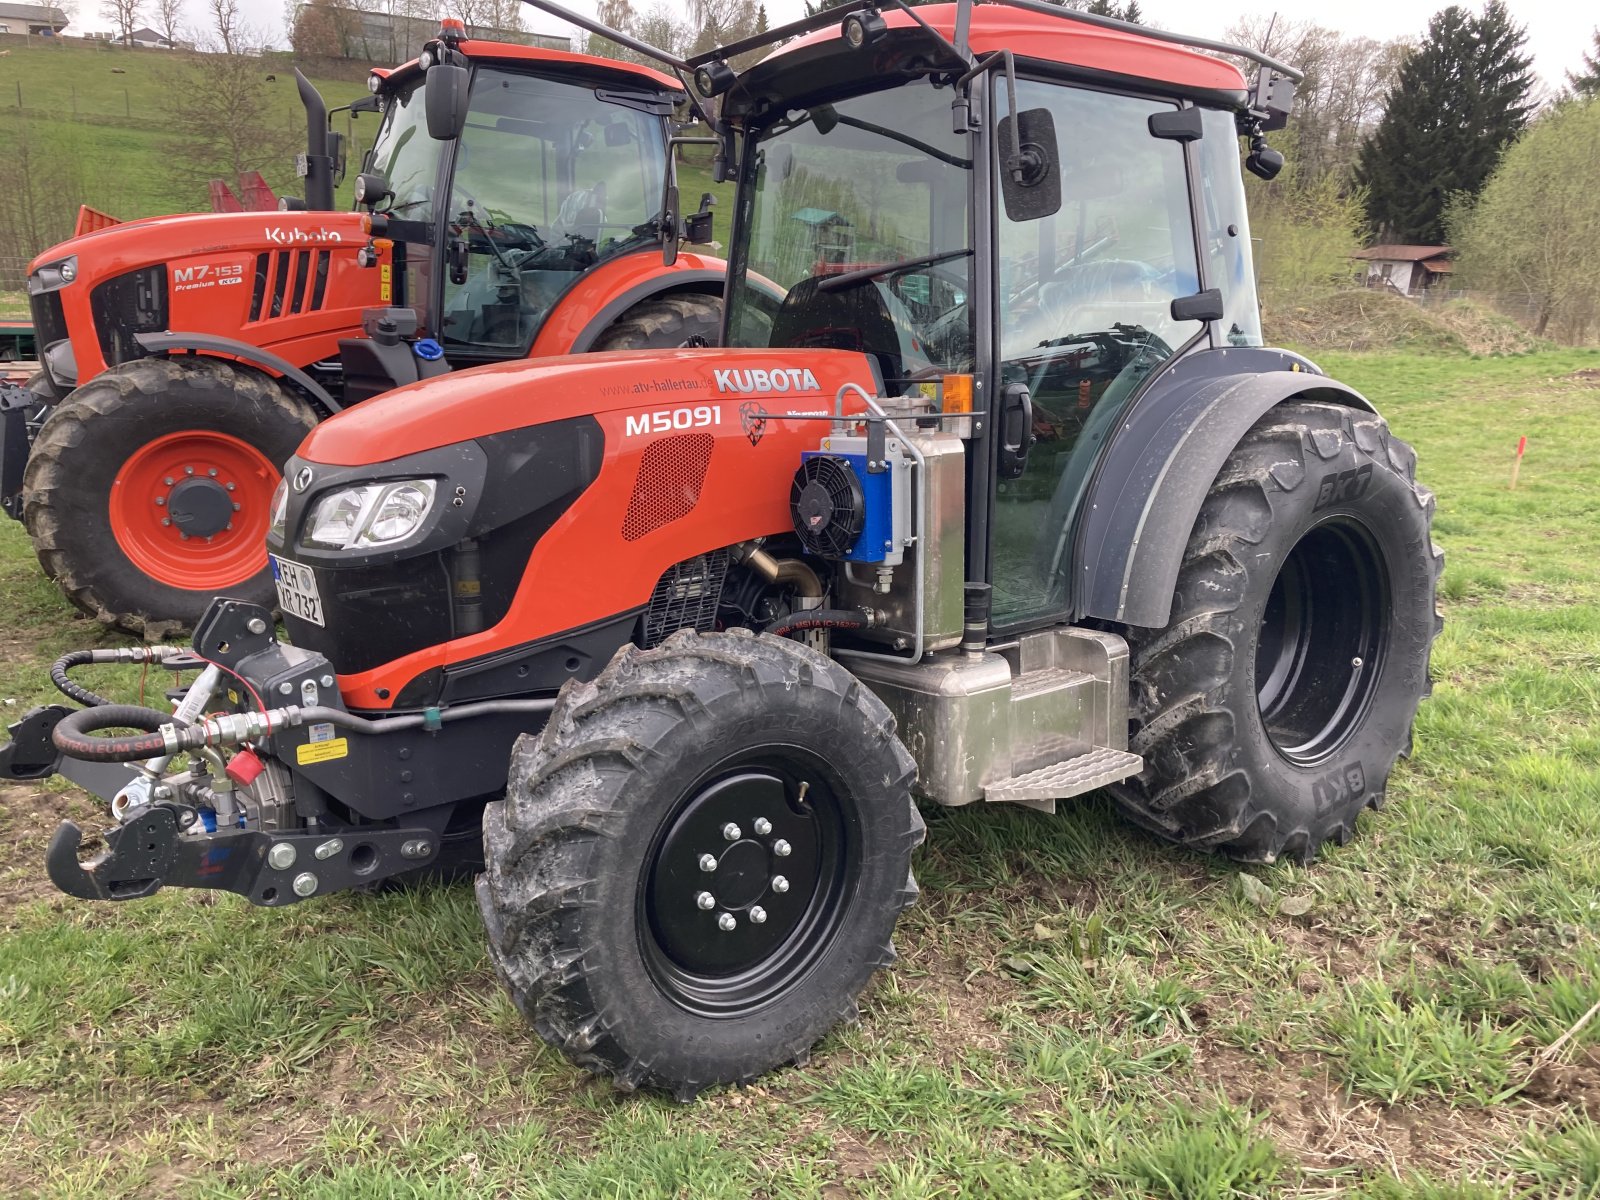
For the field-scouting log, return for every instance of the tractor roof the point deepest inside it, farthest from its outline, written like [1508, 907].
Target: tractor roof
[513, 53]
[821, 60]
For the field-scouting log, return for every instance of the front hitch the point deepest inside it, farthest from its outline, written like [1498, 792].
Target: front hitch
[30, 755]
[152, 850]
[136, 862]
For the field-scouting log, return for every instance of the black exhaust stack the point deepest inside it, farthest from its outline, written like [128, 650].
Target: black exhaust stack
[315, 166]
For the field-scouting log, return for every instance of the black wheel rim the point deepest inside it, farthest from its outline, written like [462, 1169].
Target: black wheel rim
[785, 855]
[1323, 637]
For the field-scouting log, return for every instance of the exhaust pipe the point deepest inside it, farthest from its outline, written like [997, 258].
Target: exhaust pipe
[319, 163]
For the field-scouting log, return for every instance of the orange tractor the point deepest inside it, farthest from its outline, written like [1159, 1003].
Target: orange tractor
[517, 195]
[1004, 500]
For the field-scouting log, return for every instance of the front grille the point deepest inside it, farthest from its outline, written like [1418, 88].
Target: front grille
[686, 597]
[287, 282]
[377, 614]
[49, 321]
[126, 305]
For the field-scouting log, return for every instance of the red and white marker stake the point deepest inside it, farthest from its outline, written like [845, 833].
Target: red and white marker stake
[1516, 466]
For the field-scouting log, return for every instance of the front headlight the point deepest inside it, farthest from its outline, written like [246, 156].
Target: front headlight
[372, 514]
[53, 276]
[279, 510]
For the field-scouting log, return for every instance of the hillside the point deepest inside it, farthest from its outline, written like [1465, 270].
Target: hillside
[97, 117]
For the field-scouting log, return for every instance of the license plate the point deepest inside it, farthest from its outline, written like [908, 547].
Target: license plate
[297, 590]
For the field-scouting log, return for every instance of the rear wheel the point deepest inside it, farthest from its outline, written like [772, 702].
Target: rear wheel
[1273, 706]
[688, 319]
[148, 489]
[700, 861]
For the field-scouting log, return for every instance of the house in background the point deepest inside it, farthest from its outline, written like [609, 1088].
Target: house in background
[39, 20]
[149, 39]
[1409, 270]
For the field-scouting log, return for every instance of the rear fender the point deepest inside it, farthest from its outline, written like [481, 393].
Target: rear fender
[1147, 490]
[705, 282]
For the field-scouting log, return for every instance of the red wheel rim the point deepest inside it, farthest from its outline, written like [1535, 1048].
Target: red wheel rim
[212, 483]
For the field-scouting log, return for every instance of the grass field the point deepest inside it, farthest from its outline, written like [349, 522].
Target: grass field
[1077, 1011]
[105, 107]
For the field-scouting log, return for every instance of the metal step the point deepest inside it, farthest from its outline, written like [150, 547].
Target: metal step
[1071, 777]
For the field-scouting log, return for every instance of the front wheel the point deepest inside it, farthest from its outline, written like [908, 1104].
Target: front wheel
[1273, 706]
[699, 862]
[147, 490]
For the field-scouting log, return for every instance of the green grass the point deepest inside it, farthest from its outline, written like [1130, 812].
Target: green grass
[1077, 1011]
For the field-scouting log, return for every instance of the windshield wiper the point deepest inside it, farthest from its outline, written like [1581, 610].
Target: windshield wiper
[837, 283]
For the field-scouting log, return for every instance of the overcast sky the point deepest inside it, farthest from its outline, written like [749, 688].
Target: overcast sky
[1558, 30]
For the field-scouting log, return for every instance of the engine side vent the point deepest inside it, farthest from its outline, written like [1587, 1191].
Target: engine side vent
[671, 472]
[277, 293]
[686, 597]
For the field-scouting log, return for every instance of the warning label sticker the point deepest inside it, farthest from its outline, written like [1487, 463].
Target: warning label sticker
[316, 752]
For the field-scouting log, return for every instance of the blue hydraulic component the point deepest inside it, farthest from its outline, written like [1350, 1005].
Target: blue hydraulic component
[877, 531]
[427, 349]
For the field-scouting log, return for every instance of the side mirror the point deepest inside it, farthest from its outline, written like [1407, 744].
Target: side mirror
[339, 153]
[1030, 171]
[669, 218]
[447, 101]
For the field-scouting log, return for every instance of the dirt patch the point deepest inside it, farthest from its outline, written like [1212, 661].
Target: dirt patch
[1589, 376]
[1576, 1084]
[1313, 1119]
[28, 817]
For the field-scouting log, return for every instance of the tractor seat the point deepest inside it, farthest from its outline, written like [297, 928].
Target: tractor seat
[854, 318]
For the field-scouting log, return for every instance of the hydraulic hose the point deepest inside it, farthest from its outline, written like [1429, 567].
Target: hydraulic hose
[58, 676]
[422, 720]
[121, 654]
[72, 734]
[818, 618]
[231, 729]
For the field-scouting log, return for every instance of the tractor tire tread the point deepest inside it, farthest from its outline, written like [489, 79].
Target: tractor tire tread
[1191, 791]
[569, 786]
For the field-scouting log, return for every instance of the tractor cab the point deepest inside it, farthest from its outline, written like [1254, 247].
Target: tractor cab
[499, 208]
[903, 234]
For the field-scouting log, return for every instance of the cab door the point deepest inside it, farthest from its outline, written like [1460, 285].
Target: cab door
[1083, 300]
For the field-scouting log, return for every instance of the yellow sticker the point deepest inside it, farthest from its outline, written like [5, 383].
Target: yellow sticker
[315, 752]
[385, 291]
[384, 275]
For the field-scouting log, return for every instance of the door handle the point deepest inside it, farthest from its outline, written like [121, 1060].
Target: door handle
[1016, 429]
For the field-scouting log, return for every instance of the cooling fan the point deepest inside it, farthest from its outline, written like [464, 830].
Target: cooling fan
[827, 505]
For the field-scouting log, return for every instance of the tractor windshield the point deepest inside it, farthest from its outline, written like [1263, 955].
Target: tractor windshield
[550, 179]
[858, 212]
[408, 159]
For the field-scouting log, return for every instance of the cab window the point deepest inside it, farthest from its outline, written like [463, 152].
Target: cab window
[1084, 300]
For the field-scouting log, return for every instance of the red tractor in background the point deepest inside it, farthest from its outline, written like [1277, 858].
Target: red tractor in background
[518, 194]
